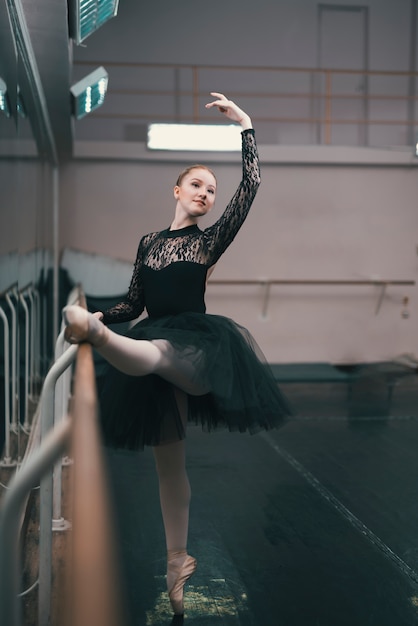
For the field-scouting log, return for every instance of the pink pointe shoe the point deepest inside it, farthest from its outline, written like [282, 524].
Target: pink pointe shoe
[181, 573]
[83, 326]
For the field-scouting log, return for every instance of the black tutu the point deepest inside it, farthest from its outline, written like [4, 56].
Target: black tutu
[142, 410]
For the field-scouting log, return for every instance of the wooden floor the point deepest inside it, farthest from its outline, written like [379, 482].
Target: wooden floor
[312, 525]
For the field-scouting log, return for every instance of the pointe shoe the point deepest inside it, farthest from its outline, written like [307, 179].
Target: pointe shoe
[183, 572]
[83, 326]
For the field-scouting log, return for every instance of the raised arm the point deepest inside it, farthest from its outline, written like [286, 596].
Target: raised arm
[221, 234]
[230, 110]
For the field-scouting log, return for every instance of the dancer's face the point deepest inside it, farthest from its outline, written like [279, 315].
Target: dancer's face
[196, 192]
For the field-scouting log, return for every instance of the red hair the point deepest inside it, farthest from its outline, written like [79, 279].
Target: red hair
[190, 169]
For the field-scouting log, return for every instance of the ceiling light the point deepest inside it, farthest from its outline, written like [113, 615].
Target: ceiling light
[4, 98]
[194, 137]
[86, 16]
[89, 93]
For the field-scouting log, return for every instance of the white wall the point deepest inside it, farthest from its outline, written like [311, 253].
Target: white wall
[313, 218]
[307, 222]
[244, 32]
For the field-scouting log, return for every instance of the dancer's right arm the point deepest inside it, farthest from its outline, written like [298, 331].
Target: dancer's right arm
[132, 306]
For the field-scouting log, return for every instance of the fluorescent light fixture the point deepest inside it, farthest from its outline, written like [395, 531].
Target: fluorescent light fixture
[86, 16]
[194, 137]
[4, 99]
[89, 93]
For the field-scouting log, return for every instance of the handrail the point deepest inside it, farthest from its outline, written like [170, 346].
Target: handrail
[7, 459]
[62, 393]
[95, 589]
[95, 592]
[27, 353]
[14, 378]
[10, 373]
[316, 91]
[28, 299]
[308, 281]
[268, 282]
[46, 491]
[27, 295]
[52, 448]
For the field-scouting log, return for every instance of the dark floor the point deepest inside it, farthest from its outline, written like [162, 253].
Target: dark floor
[312, 525]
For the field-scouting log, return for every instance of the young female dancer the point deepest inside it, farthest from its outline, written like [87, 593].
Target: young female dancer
[180, 364]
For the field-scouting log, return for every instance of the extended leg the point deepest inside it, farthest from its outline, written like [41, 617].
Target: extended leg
[132, 356]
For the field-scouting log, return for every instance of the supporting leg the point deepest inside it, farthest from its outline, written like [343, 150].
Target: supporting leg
[175, 502]
[175, 494]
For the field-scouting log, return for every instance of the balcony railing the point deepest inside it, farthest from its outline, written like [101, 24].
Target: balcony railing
[290, 105]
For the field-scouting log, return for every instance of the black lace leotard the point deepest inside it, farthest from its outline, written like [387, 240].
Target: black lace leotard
[171, 267]
[169, 281]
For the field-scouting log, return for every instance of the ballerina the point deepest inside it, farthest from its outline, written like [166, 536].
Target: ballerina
[180, 363]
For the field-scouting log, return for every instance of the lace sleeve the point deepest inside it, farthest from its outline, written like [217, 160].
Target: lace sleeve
[133, 305]
[220, 235]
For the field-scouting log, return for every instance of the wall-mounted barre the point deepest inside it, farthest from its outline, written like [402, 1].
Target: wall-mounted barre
[267, 283]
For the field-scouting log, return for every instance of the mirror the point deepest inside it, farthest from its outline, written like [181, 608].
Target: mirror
[25, 254]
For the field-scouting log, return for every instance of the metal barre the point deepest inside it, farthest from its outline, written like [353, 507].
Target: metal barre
[267, 283]
[40, 461]
[307, 281]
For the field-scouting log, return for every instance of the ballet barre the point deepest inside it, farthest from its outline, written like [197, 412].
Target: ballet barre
[94, 595]
[267, 283]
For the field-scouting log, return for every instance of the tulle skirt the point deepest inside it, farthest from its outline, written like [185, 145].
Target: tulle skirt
[224, 360]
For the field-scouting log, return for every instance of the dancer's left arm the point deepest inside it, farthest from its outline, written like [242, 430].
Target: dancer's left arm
[221, 234]
[230, 110]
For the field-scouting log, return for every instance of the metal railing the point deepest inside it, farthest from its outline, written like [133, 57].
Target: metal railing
[267, 283]
[28, 301]
[47, 424]
[7, 460]
[36, 467]
[92, 570]
[321, 98]
[95, 593]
